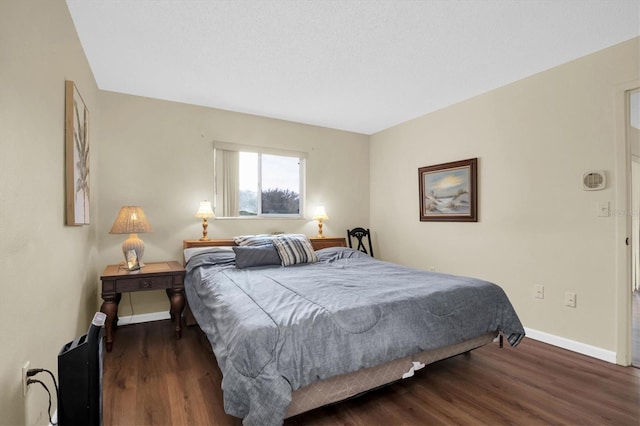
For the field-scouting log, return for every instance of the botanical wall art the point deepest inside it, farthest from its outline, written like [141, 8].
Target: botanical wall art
[77, 156]
[449, 192]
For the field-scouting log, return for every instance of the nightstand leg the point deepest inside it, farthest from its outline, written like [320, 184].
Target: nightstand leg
[116, 319]
[110, 309]
[169, 292]
[177, 306]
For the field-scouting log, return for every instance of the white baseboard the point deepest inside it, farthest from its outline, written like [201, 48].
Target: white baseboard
[135, 319]
[572, 345]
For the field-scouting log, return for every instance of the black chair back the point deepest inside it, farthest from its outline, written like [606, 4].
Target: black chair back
[361, 234]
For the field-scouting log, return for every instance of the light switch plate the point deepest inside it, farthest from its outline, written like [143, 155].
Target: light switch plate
[604, 209]
[570, 299]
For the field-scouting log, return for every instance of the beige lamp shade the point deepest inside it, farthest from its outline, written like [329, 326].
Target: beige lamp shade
[320, 214]
[205, 212]
[131, 220]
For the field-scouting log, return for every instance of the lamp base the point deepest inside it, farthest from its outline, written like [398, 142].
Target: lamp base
[205, 224]
[133, 243]
[319, 230]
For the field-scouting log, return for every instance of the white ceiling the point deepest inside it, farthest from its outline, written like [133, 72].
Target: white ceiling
[354, 65]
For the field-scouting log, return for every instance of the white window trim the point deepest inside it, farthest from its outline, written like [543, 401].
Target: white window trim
[302, 155]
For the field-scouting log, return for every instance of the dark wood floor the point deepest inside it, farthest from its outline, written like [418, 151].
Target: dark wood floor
[149, 378]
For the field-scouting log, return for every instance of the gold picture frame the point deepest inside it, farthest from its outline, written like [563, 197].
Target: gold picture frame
[76, 157]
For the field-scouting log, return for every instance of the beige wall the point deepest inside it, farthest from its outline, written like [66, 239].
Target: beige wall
[47, 269]
[534, 139]
[159, 155]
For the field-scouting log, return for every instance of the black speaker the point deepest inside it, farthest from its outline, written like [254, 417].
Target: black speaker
[80, 377]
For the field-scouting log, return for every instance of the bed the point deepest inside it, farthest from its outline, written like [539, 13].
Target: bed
[330, 326]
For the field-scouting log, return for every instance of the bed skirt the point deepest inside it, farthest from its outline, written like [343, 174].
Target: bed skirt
[348, 385]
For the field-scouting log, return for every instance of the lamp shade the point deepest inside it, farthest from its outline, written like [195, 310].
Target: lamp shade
[205, 211]
[320, 214]
[131, 220]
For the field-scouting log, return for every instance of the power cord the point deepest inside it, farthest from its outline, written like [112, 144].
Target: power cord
[32, 372]
[131, 306]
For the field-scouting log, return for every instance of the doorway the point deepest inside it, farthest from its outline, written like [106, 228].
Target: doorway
[633, 142]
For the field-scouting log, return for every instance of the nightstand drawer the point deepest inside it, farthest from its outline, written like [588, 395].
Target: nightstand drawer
[143, 283]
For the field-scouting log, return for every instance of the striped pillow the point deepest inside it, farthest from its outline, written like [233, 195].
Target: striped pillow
[294, 249]
[254, 240]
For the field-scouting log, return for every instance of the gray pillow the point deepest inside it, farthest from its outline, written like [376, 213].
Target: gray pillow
[248, 256]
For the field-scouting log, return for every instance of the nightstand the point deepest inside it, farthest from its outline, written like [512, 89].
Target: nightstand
[116, 279]
[325, 242]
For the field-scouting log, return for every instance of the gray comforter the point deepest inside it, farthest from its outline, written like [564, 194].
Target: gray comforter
[276, 329]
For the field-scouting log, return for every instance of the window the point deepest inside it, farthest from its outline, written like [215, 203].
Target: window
[258, 182]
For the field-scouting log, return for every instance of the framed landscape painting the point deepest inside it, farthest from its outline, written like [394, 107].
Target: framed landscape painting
[76, 156]
[449, 191]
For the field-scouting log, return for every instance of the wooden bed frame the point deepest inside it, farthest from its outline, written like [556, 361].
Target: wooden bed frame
[317, 242]
[345, 386]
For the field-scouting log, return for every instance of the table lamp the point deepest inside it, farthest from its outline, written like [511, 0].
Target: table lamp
[205, 212]
[131, 220]
[320, 215]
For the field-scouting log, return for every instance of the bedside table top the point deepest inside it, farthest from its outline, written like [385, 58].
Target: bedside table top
[151, 268]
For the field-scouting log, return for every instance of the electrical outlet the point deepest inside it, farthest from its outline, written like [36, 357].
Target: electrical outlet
[539, 291]
[25, 368]
[570, 299]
